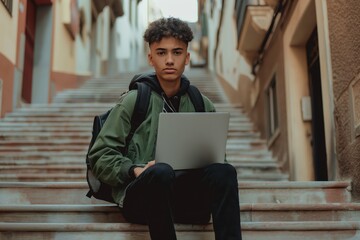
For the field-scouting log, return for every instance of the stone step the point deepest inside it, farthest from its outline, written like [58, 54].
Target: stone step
[78, 177]
[83, 126]
[43, 135]
[248, 154]
[87, 120]
[41, 155]
[260, 149]
[43, 142]
[43, 177]
[63, 168]
[51, 112]
[31, 134]
[114, 86]
[25, 141]
[40, 169]
[114, 89]
[91, 96]
[90, 105]
[246, 162]
[247, 136]
[235, 113]
[262, 176]
[233, 158]
[58, 147]
[67, 150]
[250, 192]
[111, 213]
[35, 159]
[43, 148]
[249, 141]
[250, 230]
[112, 99]
[86, 106]
[250, 165]
[68, 127]
[80, 155]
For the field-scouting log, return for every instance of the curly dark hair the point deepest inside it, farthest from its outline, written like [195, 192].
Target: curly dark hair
[168, 27]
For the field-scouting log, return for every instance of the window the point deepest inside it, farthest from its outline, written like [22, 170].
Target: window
[82, 23]
[240, 10]
[8, 5]
[272, 114]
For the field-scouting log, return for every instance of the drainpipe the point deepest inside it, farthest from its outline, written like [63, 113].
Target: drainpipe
[279, 9]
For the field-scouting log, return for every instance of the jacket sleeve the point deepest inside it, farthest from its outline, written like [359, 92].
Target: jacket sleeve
[109, 164]
[209, 106]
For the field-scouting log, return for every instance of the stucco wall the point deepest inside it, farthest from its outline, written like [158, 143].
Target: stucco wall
[83, 41]
[8, 46]
[213, 10]
[241, 87]
[273, 65]
[8, 31]
[63, 44]
[230, 64]
[344, 34]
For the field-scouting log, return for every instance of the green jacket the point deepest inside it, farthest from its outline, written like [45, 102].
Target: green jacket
[109, 164]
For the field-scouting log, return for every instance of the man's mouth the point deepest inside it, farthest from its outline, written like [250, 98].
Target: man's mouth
[169, 70]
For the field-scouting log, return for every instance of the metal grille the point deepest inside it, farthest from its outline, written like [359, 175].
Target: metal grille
[8, 5]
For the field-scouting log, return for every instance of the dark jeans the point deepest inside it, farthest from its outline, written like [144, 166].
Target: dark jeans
[161, 196]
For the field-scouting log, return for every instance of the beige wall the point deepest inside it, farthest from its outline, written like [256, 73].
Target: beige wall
[273, 65]
[345, 48]
[230, 65]
[83, 40]
[296, 34]
[8, 31]
[63, 44]
[213, 22]
[284, 57]
[8, 47]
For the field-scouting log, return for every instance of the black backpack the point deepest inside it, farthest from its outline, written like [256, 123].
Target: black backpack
[102, 190]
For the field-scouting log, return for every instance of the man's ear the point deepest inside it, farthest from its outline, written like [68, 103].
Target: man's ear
[187, 60]
[150, 59]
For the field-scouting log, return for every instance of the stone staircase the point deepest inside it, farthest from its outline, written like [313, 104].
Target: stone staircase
[42, 177]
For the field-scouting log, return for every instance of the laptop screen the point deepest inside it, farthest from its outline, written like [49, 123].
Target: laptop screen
[192, 140]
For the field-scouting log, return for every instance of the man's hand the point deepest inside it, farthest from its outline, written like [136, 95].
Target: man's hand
[139, 170]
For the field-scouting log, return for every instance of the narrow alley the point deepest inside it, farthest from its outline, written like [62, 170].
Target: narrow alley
[286, 71]
[43, 173]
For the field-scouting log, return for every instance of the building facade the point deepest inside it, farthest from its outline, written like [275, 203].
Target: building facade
[293, 66]
[51, 45]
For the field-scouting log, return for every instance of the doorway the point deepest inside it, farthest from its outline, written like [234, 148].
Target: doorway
[29, 51]
[317, 124]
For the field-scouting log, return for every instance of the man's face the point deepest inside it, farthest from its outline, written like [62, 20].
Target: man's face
[168, 57]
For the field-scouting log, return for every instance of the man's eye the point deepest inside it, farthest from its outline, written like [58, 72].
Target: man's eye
[177, 53]
[161, 53]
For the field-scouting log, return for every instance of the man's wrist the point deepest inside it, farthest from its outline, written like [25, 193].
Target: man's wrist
[137, 171]
[132, 172]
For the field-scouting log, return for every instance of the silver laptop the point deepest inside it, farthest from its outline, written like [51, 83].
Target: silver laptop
[191, 140]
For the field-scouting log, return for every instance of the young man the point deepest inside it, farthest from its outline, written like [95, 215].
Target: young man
[155, 194]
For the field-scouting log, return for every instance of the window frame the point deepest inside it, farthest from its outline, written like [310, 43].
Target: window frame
[272, 109]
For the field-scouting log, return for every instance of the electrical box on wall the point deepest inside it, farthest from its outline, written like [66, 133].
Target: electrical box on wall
[306, 108]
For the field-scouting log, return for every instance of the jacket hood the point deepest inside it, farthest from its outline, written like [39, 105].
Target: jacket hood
[151, 80]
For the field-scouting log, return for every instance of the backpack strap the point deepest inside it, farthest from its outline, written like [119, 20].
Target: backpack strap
[140, 109]
[196, 98]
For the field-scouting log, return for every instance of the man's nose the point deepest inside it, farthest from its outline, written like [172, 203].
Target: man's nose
[169, 59]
